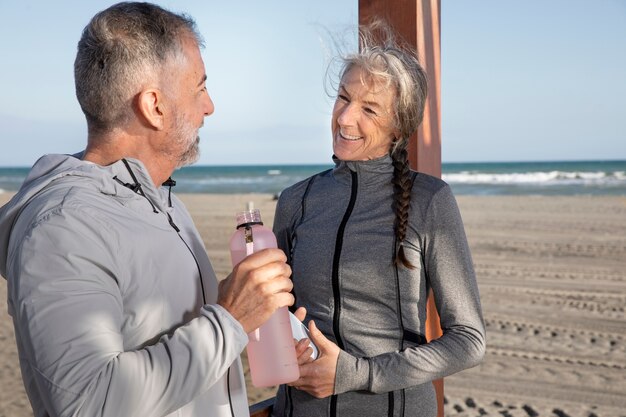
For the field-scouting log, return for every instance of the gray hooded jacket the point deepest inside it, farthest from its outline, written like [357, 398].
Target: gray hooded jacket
[338, 228]
[113, 297]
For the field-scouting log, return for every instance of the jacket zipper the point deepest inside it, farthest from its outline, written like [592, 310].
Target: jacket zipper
[193, 255]
[335, 276]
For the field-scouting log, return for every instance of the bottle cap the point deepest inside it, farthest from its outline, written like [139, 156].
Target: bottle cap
[248, 218]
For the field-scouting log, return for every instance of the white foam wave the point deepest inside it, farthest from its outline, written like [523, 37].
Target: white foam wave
[538, 178]
[225, 180]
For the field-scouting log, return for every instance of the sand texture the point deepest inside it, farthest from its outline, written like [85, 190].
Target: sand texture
[552, 276]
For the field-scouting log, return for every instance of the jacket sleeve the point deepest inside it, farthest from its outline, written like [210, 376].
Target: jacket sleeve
[287, 209]
[448, 265]
[68, 314]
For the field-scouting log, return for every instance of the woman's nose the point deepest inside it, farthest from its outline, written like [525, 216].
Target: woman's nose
[346, 115]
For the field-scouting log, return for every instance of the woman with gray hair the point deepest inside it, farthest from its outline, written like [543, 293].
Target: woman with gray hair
[367, 241]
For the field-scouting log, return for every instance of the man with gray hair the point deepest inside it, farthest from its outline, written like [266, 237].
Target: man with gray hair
[116, 308]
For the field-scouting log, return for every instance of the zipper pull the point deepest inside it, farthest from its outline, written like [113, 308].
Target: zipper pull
[169, 219]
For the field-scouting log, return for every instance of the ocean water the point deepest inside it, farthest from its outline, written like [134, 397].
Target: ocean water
[492, 178]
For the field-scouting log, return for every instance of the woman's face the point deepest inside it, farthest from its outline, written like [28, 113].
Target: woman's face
[362, 124]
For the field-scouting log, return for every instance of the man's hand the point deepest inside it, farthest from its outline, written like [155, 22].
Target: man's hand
[318, 377]
[257, 286]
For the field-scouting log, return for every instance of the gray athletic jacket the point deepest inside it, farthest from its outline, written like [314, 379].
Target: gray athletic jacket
[113, 297]
[338, 228]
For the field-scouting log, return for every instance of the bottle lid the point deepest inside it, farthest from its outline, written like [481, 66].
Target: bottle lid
[248, 218]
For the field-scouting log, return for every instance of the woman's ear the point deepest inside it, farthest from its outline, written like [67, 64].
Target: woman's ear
[395, 143]
[396, 135]
[151, 108]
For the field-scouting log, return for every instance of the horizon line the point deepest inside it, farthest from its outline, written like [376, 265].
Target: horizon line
[202, 165]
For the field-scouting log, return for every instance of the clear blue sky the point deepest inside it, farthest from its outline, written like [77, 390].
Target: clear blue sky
[521, 80]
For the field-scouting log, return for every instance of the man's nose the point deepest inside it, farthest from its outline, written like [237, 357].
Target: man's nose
[209, 108]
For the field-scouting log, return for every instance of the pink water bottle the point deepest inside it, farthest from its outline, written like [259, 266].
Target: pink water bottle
[271, 351]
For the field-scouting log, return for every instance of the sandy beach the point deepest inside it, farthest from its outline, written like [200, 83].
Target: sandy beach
[552, 277]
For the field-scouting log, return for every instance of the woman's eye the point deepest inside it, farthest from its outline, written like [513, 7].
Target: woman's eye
[342, 97]
[369, 111]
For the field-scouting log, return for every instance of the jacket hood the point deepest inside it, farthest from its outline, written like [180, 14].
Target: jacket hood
[51, 168]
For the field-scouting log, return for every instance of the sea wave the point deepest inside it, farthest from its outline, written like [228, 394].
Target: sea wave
[537, 178]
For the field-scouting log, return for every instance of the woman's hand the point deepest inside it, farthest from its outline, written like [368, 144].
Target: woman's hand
[317, 377]
[303, 349]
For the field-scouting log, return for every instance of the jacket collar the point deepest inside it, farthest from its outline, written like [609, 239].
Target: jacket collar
[133, 173]
[371, 172]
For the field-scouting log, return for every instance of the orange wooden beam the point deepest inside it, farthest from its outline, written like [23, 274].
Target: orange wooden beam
[419, 23]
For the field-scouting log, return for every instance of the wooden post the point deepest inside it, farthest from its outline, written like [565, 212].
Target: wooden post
[419, 23]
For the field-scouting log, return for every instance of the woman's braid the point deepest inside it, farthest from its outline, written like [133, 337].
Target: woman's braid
[402, 185]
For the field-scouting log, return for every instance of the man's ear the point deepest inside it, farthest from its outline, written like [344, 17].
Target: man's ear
[152, 108]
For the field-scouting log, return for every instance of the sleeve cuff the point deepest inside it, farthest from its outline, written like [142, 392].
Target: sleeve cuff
[353, 374]
[228, 322]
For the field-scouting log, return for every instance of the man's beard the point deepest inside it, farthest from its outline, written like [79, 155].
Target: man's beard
[188, 139]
